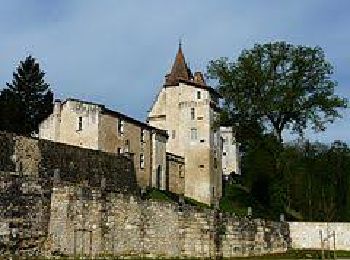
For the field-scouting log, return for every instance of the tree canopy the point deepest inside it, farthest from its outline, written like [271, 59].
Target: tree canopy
[277, 86]
[27, 100]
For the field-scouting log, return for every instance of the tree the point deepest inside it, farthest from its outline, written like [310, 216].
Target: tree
[27, 101]
[278, 86]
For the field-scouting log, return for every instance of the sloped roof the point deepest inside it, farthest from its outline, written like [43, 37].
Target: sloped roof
[180, 70]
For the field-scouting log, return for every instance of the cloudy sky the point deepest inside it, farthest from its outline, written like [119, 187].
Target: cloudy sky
[116, 52]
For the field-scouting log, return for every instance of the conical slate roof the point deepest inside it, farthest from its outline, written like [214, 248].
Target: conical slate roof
[180, 70]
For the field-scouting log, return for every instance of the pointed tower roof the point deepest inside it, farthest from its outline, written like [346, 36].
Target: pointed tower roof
[180, 70]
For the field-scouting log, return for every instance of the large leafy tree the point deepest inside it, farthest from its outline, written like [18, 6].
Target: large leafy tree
[277, 86]
[27, 100]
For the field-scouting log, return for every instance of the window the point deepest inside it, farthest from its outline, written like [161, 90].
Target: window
[120, 127]
[224, 153]
[181, 173]
[215, 163]
[142, 137]
[126, 146]
[80, 123]
[198, 95]
[119, 151]
[192, 113]
[193, 133]
[173, 134]
[142, 161]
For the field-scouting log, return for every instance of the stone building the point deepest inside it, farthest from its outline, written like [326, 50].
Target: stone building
[186, 107]
[230, 152]
[93, 126]
[179, 149]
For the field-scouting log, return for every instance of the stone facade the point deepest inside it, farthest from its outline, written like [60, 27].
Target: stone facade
[186, 107]
[90, 125]
[175, 173]
[230, 152]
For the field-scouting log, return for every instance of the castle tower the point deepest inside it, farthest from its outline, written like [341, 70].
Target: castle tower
[186, 107]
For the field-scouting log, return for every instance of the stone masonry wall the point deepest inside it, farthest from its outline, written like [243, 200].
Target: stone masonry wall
[61, 199]
[92, 223]
[31, 168]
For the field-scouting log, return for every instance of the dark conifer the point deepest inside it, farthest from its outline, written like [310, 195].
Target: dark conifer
[27, 101]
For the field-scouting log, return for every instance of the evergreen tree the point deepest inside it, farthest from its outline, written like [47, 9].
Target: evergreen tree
[27, 101]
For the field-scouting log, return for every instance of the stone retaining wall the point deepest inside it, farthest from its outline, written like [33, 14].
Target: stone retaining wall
[61, 199]
[92, 223]
[30, 168]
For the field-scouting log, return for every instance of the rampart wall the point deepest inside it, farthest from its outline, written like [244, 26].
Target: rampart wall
[88, 222]
[29, 171]
[61, 199]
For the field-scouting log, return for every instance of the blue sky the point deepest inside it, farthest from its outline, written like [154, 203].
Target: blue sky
[117, 52]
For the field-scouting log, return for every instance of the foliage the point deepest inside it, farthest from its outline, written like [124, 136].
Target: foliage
[276, 86]
[163, 195]
[27, 101]
[155, 194]
[271, 88]
[236, 200]
[311, 184]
